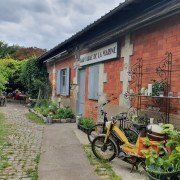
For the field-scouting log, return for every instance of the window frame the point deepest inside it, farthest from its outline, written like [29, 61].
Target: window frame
[63, 79]
[63, 90]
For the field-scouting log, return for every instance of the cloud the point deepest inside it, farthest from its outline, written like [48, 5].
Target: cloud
[46, 23]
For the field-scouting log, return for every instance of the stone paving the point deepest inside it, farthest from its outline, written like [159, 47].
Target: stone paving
[62, 156]
[120, 167]
[25, 143]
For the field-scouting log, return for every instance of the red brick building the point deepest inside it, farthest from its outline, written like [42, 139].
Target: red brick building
[99, 62]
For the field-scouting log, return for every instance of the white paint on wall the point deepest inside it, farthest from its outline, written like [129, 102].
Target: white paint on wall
[126, 52]
[102, 96]
[105, 78]
[101, 78]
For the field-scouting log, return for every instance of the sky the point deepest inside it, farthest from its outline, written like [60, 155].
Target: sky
[46, 23]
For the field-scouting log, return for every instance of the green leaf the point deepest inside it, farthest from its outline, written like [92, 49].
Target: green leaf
[178, 148]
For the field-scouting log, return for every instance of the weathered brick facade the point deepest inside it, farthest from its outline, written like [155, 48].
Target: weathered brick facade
[149, 41]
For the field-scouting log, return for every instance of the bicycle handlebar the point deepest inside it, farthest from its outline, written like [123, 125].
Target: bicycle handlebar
[102, 105]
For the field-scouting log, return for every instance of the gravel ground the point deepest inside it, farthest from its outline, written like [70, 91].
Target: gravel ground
[24, 143]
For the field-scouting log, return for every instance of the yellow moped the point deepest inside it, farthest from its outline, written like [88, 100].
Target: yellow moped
[115, 143]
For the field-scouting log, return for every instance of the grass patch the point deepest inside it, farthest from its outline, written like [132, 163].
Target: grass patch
[102, 168]
[4, 165]
[5, 131]
[34, 118]
[33, 173]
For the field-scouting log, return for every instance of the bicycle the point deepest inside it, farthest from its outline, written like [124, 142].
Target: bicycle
[100, 128]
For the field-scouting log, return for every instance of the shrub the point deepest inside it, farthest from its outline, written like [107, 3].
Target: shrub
[45, 111]
[64, 113]
[86, 122]
[47, 107]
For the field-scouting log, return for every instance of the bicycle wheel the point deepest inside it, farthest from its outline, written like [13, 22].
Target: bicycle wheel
[95, 131]
[104, 151]
[131, 135]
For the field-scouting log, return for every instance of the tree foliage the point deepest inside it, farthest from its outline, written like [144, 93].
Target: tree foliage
[25, 53]
[28, 73]
[6, 50]
[34, 77]
[9, 71]
[19, 53]
[2, 82]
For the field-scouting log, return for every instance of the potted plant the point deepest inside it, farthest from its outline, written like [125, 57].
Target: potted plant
[85, 124]
[164, 165]
[64, 115]
[158, 87]
[142, 118]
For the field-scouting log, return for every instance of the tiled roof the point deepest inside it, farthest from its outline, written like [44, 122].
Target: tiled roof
[127, 7]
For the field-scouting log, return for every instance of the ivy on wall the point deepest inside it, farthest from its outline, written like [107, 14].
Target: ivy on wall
[35, 78]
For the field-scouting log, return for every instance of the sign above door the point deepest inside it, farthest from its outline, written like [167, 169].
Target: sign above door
[102, 54]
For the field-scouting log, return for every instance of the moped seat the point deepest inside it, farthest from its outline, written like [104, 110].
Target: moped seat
[139, 126]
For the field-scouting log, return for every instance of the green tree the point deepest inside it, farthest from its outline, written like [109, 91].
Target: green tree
[35, 79]
[6, 50]
[2, 82]
[10, 70]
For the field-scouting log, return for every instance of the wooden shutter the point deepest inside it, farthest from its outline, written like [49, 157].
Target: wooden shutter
[58, 82]
[93, 82]
[68, 82]
[90, 83]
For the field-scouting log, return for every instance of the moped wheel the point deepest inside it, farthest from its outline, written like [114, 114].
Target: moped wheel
[95, 131]
[104, 151]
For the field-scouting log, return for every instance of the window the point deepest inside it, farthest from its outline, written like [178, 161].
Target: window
[63, 82]
[93, 82]
[63, 79]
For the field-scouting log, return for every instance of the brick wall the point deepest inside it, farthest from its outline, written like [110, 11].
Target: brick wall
[90, 110]
[151, 43]
[69, 62]
[113, 84]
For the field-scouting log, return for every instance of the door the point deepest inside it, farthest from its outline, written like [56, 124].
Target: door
[81, 93]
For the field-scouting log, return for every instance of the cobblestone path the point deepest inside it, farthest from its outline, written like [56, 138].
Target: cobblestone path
[25, 143]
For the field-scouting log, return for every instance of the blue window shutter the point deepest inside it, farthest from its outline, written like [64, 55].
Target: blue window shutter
[68, 82]
[93, 82]
[58, 83]
[90, 83]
